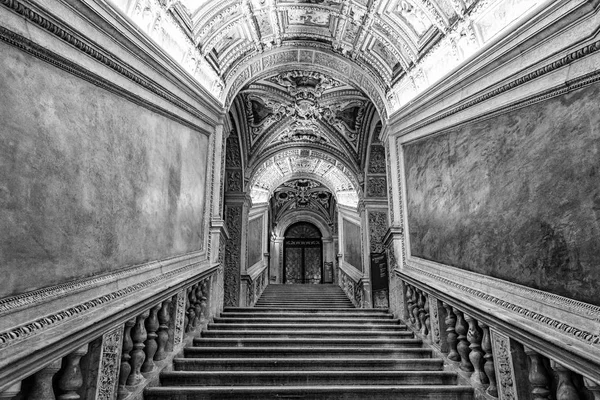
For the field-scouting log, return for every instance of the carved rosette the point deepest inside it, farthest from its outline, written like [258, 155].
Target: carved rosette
[179, 318]
[505, 373]
[110, 356]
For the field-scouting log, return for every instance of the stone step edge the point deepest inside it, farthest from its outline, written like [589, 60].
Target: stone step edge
[312, 373]
[314, 389]
[309, 349]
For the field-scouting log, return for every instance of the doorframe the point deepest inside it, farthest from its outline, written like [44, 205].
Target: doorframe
[329, 242]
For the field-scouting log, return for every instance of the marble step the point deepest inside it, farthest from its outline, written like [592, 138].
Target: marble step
[309, 342]
[303, 364]
[350, 392]
[305, 378]
[304, 352]
[336, 334]
[227, 319]
[308, 311]
[302, 326]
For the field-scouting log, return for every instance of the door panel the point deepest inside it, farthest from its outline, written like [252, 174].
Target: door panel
[303, 261]
[293, 265]
[312, 264]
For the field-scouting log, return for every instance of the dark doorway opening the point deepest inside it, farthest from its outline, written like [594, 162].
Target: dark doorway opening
[303, 254]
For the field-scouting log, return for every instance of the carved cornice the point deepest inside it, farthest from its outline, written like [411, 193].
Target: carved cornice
[567, 86]
[24, 300]
[558, 320]
[99, 54]
[22, 332]
[28, 346]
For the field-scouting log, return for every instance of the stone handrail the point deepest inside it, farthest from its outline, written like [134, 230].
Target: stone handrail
[497, 359]
[113, 345]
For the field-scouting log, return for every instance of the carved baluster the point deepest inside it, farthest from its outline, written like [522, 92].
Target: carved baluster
[463, 344]
[488, 366]
[565, 389]
[139, 336]
[163, 330]
[421, 312]
[42, 388]
[125, 357]
[409, 303]
[204, 300]
[538, 376]
[415, 308]
[186, 320]
[172, 321]
[593, 387]
[427, 322]
[71, 379]
[476, 354]
[150, 344]
[450, 322]
[11, 392]
[192, 308]
[198, 306]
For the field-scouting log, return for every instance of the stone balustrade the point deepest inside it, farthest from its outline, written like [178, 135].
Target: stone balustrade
[122, 361]
[486, 356]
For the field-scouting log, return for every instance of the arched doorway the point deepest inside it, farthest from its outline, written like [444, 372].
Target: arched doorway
[303, 254]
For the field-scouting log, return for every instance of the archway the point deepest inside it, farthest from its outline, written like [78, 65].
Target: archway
[303, 254]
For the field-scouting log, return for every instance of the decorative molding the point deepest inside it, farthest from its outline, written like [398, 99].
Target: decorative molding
[577, 333]
[434, 320]
[377, 187]
[505, 374]
[539, 72]
[233, 221]
[15, 303]
[565, 304]
[96, 52]
[22, 332]
[180, 309]
[377, 159]
[110, 358]
[377, 229]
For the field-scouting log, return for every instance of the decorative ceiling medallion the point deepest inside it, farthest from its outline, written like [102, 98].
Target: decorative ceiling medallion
[303, 194]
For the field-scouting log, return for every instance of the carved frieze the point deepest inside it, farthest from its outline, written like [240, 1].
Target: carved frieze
[377, 160]
[378, 225]
[179, 328]
[376, 187]
[233, 221]
[503, 365]
[233, 181]
[110, 359]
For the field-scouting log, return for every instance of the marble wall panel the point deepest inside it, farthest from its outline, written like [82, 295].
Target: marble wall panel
[516, 196]
[352, 244]
[255, 241]
[89, 182]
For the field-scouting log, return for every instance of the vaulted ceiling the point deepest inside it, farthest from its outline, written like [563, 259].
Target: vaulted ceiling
[307, 81]
[390, 49]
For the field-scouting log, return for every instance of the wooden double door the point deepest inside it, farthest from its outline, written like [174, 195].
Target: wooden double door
[303, 260]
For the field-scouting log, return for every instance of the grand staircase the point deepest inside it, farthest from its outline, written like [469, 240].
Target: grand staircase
[307, 342]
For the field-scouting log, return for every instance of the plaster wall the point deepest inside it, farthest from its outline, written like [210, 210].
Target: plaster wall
[515, 196]
[89, 182]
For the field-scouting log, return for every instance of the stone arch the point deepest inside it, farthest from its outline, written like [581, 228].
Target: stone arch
[328, 238]
[315, 59]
